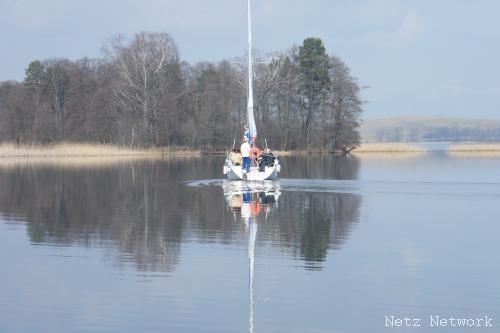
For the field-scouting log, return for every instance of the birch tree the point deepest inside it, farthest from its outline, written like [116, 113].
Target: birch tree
[142, 68]
[34, 82]
[57, 81]
[345, 107]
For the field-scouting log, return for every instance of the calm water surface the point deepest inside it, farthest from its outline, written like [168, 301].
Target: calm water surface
[167, 246]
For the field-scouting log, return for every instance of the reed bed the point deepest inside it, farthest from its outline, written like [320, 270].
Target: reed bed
[388, 147]
[475, 154]
[10, 150]
[475, 147]
[482, 150]
[78, 162]
[299, 152]
[400, 155]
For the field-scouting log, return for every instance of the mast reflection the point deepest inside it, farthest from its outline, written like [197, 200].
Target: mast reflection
[251, 200]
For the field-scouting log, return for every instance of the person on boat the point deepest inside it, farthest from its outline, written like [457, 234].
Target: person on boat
[247, 132]
[266, 159]
[245, 153]
[235, 156]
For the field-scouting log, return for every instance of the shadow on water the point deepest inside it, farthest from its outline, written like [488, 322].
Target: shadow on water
[145, 210]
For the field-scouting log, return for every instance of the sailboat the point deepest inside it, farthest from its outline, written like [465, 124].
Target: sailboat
[262, 167]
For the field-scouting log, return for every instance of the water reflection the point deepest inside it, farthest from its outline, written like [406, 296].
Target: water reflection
[131, 207]
[145, 210]
[320, 167]
[81, 247]
[249, 200]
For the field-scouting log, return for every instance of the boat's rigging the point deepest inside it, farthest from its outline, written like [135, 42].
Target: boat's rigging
[265, 167]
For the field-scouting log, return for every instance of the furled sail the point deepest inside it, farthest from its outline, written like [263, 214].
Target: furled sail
[265, 170]
[250, 118]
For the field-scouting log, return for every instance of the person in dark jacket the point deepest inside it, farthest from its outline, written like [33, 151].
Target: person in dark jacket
[266, 159]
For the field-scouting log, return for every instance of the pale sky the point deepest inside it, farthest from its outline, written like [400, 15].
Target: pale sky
[419, 57]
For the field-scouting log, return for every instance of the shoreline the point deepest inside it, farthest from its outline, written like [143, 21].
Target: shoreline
[97, 151]
[388, 147]
[450, 148]
[86, 150]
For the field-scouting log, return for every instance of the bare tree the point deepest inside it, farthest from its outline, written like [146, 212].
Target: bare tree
[57, 81]
[34, 82]
[142, 68]
[14, 117]
[345, 107]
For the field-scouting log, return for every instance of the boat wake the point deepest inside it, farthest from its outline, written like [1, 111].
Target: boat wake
[358, 187]
[288, 185]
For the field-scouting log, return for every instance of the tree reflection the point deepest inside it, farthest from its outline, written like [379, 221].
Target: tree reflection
[124, 205]
[321, 222]
[306, 224]
[145, 210]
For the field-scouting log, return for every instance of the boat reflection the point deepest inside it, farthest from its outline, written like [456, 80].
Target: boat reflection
[252, 201]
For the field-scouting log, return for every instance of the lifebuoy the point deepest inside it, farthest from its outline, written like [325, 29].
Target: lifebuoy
[255, 208]
[255, 152]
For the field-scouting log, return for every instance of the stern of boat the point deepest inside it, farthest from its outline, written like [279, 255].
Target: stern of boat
[235, 172]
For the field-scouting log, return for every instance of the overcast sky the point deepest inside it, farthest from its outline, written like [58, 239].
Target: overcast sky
[420, 57]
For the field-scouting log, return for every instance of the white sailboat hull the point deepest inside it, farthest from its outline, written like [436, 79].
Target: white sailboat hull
[235, 172]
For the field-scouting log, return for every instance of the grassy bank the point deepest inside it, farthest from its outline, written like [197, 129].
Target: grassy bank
[92, 153]
[475, 150]
[388, 147]
[83, 150]
[475, 147]
[299, 152]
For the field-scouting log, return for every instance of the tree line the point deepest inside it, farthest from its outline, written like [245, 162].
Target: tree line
[139, 93]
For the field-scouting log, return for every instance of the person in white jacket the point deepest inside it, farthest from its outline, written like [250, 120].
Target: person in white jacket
[245, 153]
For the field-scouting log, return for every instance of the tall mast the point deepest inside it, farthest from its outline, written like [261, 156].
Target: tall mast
[250, 117]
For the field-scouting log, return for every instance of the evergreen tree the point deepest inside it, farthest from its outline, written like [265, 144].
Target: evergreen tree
[314, 66]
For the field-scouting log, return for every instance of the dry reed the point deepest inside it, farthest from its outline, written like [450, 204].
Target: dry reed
[475, 147]
[388, 147]
[481, 150]
[9, 150]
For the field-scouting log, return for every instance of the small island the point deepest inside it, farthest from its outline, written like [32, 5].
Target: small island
[140, 97]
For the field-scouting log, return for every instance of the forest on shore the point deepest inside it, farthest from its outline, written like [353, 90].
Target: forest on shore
[140, 94]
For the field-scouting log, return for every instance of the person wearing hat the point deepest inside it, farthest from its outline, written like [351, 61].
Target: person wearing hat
[245, 153]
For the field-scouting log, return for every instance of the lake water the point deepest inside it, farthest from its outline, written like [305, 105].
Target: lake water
[335, 245]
